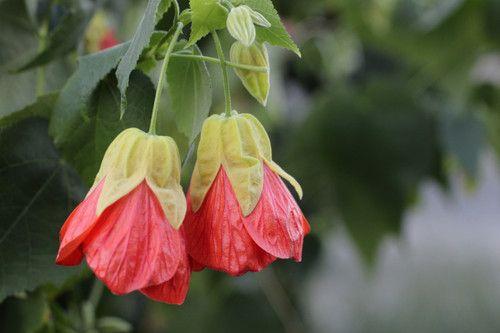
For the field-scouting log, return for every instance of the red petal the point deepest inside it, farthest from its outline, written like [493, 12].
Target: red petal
[134, 246]
[195, 266]
[174, 290]
[277, 224]
[76, 228]
[215, 234]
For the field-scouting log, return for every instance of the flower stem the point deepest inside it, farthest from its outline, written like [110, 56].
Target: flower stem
[177, 11]
[227, 93]
[217, 61]
[154, 115]
[96, 292]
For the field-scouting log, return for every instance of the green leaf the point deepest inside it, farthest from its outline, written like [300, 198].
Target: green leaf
[41, 108]
[38, 191]
[18, 45]
[84, 133]
[190, 92]
[63, 39]
[207, 15]
[163, 6]
[139, 42]
[276, 34]
[75, 94]
[31, 8]
[147, 60]
[24, 314]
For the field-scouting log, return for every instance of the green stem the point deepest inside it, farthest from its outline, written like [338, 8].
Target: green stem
[177, 11]
[43, 34]
[96, 292]
[217, 61]
[227, 93]
[154, 115]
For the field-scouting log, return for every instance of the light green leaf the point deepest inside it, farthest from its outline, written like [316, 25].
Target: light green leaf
[139, 42]
[37, 193]
[162, 9]
[207, 15]
[41, 108]
[83, 132]
[31, 8]
[190, 92]
[276, 34]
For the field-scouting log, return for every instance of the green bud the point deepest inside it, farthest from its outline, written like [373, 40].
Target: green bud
[257, 84]
[240, 25]
[259, 19]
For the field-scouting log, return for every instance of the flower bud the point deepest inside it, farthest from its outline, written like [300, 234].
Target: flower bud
[259, 19]
[256, 83]
[240, 25]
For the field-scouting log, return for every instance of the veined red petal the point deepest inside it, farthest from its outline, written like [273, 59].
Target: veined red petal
[174, 290]
[77, 226]
[134, 246]
[216, 237]
[277, 224]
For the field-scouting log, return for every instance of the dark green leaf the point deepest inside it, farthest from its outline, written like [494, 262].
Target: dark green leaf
[207, 15]
[75, 95]
[41, 108]
[18, 45]
[84, 134]
[276, 34]
[190, 92]
[26, 313]
[37, 193]
[139, 42]
[62, 40]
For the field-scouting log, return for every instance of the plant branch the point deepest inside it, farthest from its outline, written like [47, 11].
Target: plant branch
[217, 61]
[154, 115]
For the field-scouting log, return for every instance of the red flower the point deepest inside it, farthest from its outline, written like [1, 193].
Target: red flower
[108, 40]
[246, 232]
[132, 244]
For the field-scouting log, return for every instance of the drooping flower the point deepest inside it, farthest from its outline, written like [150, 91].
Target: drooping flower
[240, 215]
[128, 225]
[99, 35]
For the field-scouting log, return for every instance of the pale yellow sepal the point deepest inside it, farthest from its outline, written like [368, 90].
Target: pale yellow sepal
[240, 145]
[134, 156]
[240, 25]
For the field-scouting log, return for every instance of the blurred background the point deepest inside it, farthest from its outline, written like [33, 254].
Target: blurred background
[390, 121]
